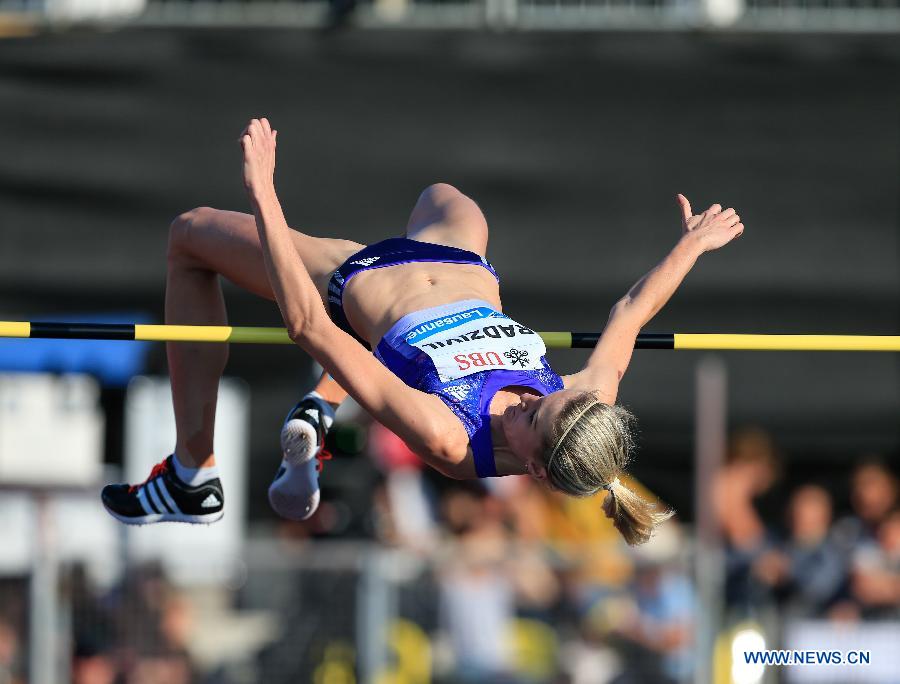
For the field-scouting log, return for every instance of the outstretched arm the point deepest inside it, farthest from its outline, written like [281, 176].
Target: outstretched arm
[294, 290]
[419, 419]
[701, 233]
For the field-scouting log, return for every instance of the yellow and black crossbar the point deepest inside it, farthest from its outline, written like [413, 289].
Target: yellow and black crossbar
[553, 340]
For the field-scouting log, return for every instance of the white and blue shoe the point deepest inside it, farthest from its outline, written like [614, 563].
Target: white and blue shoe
[294, 493]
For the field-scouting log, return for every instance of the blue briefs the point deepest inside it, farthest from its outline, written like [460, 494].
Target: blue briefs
[391, 252]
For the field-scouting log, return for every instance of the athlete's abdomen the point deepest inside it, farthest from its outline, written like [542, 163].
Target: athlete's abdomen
[376, 299]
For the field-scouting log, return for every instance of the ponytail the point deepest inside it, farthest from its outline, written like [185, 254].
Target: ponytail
[590, 445]
[633, 516]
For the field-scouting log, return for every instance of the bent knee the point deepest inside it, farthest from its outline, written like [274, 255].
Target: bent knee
[441, 203]
[451, 202]
[440, 193]
[180, 232]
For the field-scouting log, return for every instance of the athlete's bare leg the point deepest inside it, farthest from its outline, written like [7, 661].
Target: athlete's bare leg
[445, 216]
[330, 391]
[203, 244]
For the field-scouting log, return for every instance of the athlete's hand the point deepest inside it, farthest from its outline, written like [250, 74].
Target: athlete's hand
[711, 229]
[258, 141]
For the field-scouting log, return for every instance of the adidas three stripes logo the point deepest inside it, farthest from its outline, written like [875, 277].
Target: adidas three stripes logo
[155, 498]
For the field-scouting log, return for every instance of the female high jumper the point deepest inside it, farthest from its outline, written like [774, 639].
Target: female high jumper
[466, 387]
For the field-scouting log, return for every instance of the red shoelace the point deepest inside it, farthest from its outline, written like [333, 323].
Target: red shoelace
[158, 469]
[323, 455]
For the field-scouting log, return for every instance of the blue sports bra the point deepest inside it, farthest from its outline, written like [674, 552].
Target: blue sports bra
[464, 353]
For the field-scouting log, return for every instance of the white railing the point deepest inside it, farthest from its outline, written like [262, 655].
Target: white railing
[759, 16]
[774, 16]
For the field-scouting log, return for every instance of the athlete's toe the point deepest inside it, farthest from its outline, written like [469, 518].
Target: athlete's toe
[117, 497]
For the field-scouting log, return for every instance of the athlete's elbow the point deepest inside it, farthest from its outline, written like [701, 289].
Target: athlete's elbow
[440, 455]
[295, 331]
[629, 311]
[623, 307]
[305, 330]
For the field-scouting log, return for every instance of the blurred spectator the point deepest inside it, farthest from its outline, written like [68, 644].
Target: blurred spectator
[170, 668]
[92, 626]
[487, 581]
[873, 494]
[10, 655]
[575, 531]
[93, 664]
[138, 604]
[751, 468]
[651, 625]
[808, 571]
[477, 601]
[137, 633]
[403, 505]
[176, 622]
[876, 571]
[13, 628]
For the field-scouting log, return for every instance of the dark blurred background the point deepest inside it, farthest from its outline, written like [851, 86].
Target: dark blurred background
[116, 116]
[573, 144]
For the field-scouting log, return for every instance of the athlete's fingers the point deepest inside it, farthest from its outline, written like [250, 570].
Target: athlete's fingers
[264, 130]
[685, 206]
[255, 128]
[714, 209]
[739, 230]
[727, 213]
[728, 219]
[267, 128]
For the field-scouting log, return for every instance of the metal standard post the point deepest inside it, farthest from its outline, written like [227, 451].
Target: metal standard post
[711, 416]
[375, 613]
[42, 651]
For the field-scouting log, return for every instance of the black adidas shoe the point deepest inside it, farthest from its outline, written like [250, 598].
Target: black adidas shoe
[162, 497]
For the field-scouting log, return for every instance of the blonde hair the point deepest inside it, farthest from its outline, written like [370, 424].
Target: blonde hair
[590, 444]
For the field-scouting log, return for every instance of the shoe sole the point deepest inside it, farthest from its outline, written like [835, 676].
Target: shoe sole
[298, 442]
[206, 519]
[287, 505]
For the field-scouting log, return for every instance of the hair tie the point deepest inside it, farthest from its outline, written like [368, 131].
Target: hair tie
[609, 485]
[567, 430]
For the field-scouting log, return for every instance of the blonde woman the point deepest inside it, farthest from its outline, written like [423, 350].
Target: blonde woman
[467, 388]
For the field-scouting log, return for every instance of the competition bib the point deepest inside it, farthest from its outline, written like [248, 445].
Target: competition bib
[475, 340]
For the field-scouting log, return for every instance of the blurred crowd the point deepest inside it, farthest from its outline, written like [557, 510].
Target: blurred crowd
[516, 584]
[806, 559]
[530, 579]
[136, 632]
[797, 546]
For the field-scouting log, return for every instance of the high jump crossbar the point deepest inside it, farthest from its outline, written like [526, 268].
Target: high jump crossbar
[553, 340]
